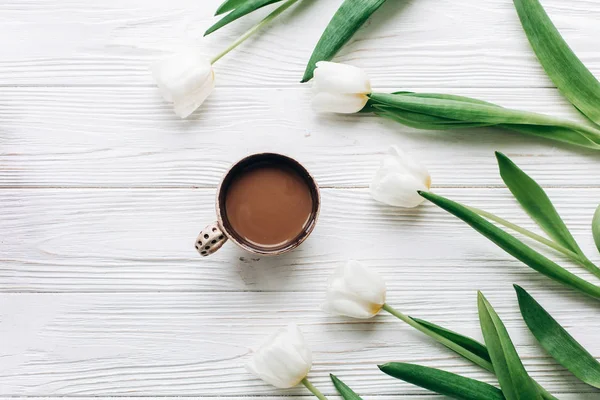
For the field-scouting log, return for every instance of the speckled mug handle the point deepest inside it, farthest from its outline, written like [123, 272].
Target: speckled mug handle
[210, 239]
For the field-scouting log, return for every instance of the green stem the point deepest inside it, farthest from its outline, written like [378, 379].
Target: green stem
[254, 29]
[578, 258]
[313, 389]
[454, 347]
[440, 339]
[546, 120]
[590, 130]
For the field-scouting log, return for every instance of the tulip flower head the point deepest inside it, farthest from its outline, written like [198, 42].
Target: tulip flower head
[355, 291]
[283, 360]
[399, 179]
[340, 88]
[185, 79]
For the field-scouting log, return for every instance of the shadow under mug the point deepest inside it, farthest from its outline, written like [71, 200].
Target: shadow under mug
[212, 238]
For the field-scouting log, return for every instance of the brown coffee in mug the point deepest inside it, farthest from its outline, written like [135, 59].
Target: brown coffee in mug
[267, 204]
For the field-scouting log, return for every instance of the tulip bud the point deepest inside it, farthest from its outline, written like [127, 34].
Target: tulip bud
[398, 180]
[355, 291]
[283, 360]
[185, 79]
[340, 88]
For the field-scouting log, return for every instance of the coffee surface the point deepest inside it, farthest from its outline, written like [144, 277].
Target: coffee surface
[268, 205]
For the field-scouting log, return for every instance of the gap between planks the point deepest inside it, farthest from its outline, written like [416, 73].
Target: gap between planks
[415, 396]
[213, 187]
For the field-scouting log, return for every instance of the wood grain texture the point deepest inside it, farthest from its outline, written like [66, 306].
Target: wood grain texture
[129, 137]
[195, 344]
[578, 396]
[426, 43]
[103, 190]
[87, 240]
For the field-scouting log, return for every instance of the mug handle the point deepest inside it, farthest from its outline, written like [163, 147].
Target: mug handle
[210, 239]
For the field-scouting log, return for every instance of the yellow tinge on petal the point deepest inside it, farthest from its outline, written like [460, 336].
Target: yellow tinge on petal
[375, 308]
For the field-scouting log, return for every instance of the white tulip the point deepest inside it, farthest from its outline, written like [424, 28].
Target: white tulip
[185, 79]
[398, 179]
[283, 360]
[340, 88]
[355, 291]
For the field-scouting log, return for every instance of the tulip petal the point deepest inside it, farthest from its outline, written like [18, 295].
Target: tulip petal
[399, 179]
[402, 160]
[364, 282]
[355, 291]
[187, 105]
[397, 190]
[186, 79]
[283, 360]
[341, 78]
[325, 102]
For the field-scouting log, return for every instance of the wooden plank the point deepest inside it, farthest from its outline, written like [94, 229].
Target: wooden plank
[577, 396]
[129, 137]
[86, 240]
[195, 344]
[474, 43]
[127, 308]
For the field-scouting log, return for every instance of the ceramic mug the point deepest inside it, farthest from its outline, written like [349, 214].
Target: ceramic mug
[214, 236]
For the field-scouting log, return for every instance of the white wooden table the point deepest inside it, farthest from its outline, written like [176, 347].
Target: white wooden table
[103, 189]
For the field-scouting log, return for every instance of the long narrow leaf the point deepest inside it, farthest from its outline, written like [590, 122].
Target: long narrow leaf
[560, 134]
[242, 9]
[343, 389]
[470, 345]
[414, 120]
[431, 122]
[514, 246]
[462, 110]
[596, 227]
[424, 118]
[351, 15]
[229, 5]
[444, 96]
[516, 384]
[480, 113]
[557, 341]
[561, 64]
[536, 203]
[442, 382]
[466, 342]
[423, 121]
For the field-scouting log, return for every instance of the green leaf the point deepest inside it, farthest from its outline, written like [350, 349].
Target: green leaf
[242, 9]
[514, 246]
[229, 5]
[442, 382]
[596, 227]
[557, 341]
[447, 97]
[423, 121]
[351, 15]
[461, 110]
[465, 342]
[516, 384]
[478, 113]
[536, 203]
[559, 134]
[443, 340]
[343, 389]
[567, 71]
[469, 345]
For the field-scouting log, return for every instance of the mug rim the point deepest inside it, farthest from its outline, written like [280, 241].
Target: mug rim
[314, 216]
